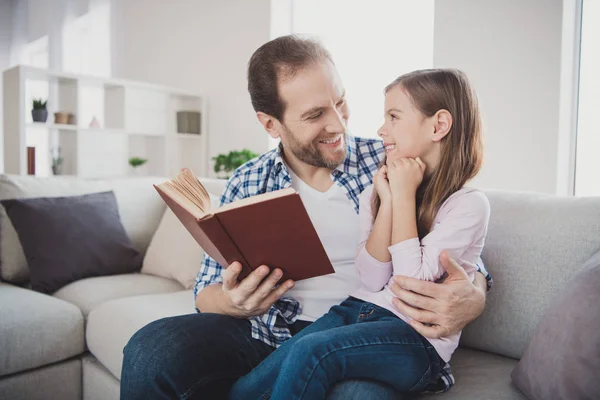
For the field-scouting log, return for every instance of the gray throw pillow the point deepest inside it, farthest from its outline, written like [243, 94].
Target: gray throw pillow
[562, 360]
[70, 238]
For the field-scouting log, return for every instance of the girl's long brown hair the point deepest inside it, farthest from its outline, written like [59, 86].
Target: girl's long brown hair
[432, 90]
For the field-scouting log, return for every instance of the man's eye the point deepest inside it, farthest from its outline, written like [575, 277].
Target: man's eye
[315, 116]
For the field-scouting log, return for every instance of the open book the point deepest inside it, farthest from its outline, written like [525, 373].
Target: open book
[270, 229]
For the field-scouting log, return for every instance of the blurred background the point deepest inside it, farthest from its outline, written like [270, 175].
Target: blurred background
[128, 71]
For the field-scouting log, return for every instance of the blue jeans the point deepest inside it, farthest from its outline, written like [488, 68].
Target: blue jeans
[355, 340]
[200, 356]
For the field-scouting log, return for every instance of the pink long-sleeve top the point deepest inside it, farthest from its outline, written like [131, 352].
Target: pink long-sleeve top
[460, 227]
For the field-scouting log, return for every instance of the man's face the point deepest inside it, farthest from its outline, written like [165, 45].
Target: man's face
[314, 122]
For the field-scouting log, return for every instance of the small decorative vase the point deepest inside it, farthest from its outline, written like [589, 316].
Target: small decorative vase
[61, 118]
[39, 114]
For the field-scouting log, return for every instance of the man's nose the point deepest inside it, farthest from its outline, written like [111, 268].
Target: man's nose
[337, 122]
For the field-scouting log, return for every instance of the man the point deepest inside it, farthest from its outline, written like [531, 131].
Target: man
[299, 99]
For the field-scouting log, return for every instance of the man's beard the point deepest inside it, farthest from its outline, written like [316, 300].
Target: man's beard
[310, 153]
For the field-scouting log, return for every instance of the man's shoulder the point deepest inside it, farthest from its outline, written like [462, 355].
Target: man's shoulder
[369, 148]
[249, 178]
[257, 167]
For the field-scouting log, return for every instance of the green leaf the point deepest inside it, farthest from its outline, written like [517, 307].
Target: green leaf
[231, 161]
[136, 161]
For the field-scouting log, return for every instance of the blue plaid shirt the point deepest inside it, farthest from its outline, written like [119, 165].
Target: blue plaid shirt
[268, 173]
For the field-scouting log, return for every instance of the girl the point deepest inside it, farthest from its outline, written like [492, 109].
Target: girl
[417, 207]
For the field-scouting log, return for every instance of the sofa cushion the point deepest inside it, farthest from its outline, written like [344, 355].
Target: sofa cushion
[480, 375]
[61, 381]
[13, 265]
[91, 292]
[139, 222]
[140, 207]
[563, 358]
[36, 329]
[173, 253]
[535, 244]
[70, 238]
[112, 324]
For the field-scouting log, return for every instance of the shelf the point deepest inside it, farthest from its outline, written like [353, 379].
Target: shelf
[64, 127]
[67, 127]
[67, 77]
[137, 119]
[192, 136]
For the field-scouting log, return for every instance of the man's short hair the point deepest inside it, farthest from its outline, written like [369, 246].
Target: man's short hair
[276, 61]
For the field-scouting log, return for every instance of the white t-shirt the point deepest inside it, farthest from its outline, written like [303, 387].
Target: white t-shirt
[332, 213]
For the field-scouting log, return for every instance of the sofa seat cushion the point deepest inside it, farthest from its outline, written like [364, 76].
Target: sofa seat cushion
[481, 375]
[112, 324]
[91, 292]
[36, 329]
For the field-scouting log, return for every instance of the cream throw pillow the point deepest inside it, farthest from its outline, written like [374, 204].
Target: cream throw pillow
[173, 253]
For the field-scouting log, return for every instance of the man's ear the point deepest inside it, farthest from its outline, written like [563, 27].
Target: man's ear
[442, 123]
[270, 123]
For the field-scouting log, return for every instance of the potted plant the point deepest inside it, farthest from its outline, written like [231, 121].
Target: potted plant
[137, 162]
[57, 162]
[227, 163]
[39, 113]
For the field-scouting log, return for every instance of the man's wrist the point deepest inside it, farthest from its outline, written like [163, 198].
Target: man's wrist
[480, 283]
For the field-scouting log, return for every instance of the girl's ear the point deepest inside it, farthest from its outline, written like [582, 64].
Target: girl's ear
[442, 123]
[271, 124]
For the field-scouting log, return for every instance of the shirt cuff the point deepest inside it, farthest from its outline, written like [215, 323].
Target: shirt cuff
[404, 245]
[489, 282]
[373, 261]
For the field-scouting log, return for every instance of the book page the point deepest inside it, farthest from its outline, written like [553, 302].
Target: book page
[188, 185]
[180, 198]
[186, 188]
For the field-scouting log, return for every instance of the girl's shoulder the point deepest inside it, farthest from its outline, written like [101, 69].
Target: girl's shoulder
[467, 200]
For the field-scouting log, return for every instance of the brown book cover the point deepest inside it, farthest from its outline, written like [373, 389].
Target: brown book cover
[31, 160]
[270, 229]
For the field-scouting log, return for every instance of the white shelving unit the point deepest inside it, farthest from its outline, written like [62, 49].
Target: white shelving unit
[136, 119]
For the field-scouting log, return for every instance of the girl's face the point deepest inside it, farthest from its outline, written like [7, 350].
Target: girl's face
[406, 132]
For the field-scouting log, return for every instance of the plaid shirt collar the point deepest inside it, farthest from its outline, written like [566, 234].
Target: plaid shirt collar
[354, 174]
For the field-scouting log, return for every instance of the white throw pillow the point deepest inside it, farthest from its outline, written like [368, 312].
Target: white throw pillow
[173, 253]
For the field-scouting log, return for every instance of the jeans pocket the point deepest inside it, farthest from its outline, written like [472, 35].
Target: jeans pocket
[422, 383]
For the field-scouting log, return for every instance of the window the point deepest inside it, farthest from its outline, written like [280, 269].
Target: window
[587, 166]
[35, 53]
[372, 43]
[86, 42]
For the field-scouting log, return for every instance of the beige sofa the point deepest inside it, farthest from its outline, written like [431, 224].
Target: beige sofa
[69, 345]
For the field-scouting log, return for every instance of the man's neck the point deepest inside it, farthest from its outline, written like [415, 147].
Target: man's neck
[318, 178]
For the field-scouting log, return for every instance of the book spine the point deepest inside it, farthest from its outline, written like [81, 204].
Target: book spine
[221, 239]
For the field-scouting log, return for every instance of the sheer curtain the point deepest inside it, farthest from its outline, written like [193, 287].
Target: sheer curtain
[588, 139]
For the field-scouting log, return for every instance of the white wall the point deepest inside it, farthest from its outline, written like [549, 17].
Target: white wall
[511, 50]
[201, 45]
[5, 38]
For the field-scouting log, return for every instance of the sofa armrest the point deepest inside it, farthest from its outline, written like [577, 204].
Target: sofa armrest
[36, 329]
